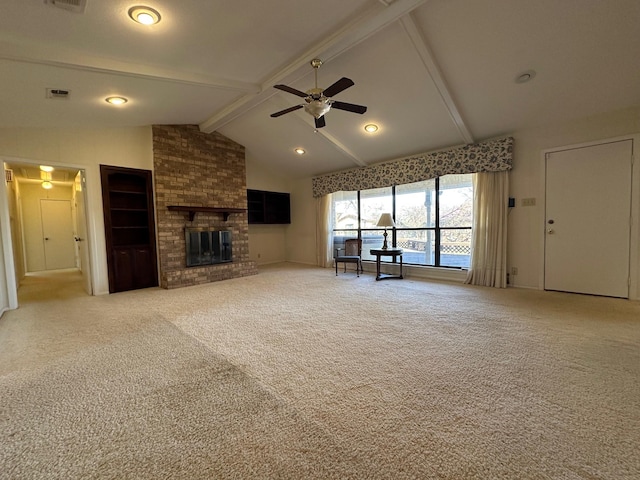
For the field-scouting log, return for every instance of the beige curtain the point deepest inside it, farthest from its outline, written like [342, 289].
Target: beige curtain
[489, 243]
[324, 232]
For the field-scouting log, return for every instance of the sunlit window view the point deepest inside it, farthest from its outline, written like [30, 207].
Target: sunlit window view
[433, 220]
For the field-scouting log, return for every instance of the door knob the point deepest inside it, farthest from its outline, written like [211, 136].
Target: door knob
[550, 222]
[46, 238]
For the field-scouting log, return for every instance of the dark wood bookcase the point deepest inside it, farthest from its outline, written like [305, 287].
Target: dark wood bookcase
[127, 199]
[268, 207]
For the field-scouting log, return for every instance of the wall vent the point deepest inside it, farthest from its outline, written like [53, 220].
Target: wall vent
[57, 93]
[76, 6]
[8, 175]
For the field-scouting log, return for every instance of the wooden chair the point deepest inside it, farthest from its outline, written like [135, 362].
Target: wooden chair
[352, 254]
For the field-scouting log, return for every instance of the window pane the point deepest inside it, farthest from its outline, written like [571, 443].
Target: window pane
[415, 205]
[456, 201]
[339, 236]
[418, 246]
[455, 248]
[345, 210]
[416, 219]
[373, 239]
[373, 203]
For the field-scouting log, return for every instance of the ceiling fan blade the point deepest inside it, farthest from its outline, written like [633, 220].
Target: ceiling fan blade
[349, 107]
[286, 110]
[288, 89]
[320, 122]
[338, 87]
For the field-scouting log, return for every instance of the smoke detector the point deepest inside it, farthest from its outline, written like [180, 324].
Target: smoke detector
[76, 6]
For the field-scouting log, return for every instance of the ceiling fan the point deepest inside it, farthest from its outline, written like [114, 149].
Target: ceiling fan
[318, 101]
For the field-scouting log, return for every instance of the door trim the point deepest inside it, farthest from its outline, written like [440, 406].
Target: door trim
[7, 250]
[634, 240]
[5, 224]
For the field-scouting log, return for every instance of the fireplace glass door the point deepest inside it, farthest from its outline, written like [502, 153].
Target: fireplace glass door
[208, 247]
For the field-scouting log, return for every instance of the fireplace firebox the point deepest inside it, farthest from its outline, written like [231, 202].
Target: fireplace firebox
[208, 247]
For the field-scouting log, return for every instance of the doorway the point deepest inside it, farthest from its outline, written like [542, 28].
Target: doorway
[588, 219]
[54, 220]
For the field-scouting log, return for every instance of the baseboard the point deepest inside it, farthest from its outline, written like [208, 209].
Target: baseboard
[415, 271]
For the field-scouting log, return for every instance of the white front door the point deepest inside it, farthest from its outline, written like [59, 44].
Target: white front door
[588, 214]
[57, 230]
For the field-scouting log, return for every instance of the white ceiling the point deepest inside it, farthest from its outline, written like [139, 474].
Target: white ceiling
[433, 73]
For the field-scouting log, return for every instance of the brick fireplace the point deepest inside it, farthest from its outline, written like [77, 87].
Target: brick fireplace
[201, 170]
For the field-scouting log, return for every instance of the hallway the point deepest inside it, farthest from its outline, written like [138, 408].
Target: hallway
[50, 285]
[49, 321]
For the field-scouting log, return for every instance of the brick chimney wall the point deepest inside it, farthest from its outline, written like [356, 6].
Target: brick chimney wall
[192, 168]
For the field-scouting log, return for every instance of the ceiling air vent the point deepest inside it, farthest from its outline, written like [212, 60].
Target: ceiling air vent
[57, 93]
[76, 6]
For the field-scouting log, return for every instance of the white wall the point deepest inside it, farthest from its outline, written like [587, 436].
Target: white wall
[132, 147]
[267, 243]
[15, 216]
[301, 236]
[128, 147]
[526, 224]
[83, 148]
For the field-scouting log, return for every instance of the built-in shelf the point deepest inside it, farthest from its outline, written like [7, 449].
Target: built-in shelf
[127, 196]
[225, 211]
[268, 207]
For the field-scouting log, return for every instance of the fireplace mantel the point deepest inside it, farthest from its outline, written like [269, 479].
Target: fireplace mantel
[192, 210]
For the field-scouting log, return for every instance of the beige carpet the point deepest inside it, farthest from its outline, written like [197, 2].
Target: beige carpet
[295, 373]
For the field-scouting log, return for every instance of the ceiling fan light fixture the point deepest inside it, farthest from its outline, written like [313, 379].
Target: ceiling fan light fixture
[144, 15]
[317, 108]
[371, 128]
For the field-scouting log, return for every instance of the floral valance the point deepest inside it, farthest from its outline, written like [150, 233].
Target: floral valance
[491, 156]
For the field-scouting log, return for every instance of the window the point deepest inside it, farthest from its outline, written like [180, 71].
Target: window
[433, 220]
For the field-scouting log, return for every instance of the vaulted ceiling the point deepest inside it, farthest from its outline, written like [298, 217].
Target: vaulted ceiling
[433, 73]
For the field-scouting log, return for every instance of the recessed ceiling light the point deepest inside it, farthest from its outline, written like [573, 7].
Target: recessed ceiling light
[116, 100]
[46, 168]
[525, 77]
[300, 151]
[371, 128]
[144, 15]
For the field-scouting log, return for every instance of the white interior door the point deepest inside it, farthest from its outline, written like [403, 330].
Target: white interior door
[588, 215]
[57, 229]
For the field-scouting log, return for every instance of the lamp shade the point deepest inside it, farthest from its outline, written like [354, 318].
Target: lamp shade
[385, 220]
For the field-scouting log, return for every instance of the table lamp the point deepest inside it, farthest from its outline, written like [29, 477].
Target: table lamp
[385, 221]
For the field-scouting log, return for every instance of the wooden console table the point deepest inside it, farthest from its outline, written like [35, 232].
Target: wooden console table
[389, 252]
